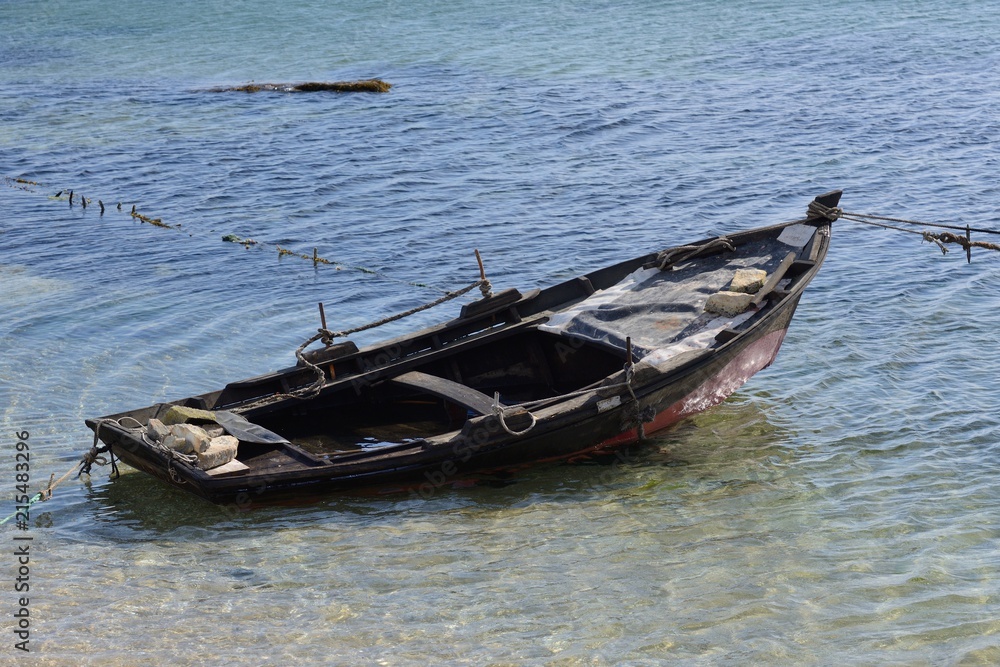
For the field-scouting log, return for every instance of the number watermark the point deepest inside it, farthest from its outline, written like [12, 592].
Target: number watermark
[22, 542]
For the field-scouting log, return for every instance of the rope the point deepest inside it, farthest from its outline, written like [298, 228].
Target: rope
[94, 455]
[44, 494]
[938, 238]
[940, 225]
[667, 258]
[562, 397]
[819, 210]
[947, 237]
[498, 412]
[834, 213]
[84, 464]
[327, 337]
[173, 456]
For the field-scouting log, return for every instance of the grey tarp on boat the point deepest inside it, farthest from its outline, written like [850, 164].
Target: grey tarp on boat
[245, 430]
[664, 311]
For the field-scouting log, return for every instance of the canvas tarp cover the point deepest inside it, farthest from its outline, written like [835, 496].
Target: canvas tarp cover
[664, 311]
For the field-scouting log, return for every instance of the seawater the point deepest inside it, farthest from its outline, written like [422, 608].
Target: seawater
[839, 509]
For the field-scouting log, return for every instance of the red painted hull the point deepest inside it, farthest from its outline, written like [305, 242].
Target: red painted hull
[757, 356]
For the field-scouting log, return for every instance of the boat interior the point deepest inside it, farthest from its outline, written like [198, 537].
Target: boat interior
[438, 395]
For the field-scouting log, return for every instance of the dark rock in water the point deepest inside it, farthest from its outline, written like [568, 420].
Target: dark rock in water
[363, 86]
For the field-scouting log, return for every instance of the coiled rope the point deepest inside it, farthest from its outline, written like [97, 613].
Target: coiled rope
[667, 258]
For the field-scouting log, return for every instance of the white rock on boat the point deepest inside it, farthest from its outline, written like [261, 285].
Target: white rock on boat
[157, 430]
[748, 281]
[187, 439]
[220, 451]
[728, 303]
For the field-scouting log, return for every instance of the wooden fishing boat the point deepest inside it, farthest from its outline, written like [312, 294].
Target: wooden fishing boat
[585, 366]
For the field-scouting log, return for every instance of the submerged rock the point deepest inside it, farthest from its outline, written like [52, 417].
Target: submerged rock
[362, 86]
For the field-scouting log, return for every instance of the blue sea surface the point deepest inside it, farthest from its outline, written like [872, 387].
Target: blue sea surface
[841, 508]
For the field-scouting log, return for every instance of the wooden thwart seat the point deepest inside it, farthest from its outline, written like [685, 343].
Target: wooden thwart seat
[455, 392]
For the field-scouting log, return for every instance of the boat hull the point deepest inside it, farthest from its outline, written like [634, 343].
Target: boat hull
[616, 409]
[486, 450]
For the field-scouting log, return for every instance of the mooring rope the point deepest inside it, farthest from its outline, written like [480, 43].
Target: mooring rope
[81, 467]
[44, 494]
[327, 336]
[498, 412]
[835, 213]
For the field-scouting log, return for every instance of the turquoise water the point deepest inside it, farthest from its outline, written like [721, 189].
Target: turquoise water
[839, 509]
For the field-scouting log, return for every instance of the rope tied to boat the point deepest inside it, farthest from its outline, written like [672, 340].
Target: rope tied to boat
[629, 369]
[832, 213]
[498, 412]
[666, 259]
[94, 455]
[327, 336]
[84, 464]
[637, 417]
[818, 210]
[173, 456]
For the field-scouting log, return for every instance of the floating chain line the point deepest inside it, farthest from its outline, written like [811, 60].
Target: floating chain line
[315, 258]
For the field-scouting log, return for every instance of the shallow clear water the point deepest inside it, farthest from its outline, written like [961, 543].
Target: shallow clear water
[840, 508]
